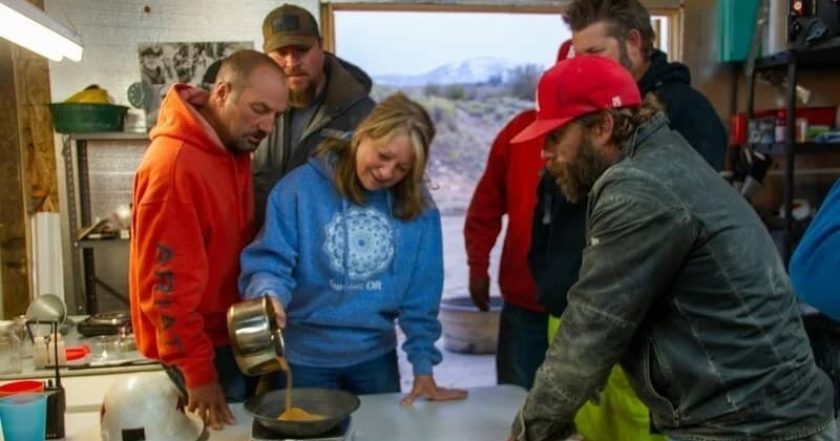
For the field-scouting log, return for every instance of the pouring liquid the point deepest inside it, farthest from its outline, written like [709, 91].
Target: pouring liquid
[294, 413]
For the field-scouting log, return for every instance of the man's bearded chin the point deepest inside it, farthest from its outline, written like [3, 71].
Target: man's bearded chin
[576, 178]
[302, 98]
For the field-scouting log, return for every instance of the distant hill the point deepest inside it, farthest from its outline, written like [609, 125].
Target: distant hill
[469, 102]
[465, 130]
[483, 70]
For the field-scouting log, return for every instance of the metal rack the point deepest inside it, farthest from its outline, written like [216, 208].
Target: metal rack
[822, 56]
[79, 214]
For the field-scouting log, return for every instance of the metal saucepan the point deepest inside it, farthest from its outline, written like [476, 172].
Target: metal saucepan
[334, 405]
[255, 338]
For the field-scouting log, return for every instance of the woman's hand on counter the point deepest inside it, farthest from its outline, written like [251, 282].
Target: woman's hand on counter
[425, 387]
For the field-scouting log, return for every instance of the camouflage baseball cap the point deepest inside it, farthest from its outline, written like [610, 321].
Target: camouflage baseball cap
[289, 25]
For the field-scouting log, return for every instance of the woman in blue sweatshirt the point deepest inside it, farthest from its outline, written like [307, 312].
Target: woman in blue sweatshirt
[351, 242]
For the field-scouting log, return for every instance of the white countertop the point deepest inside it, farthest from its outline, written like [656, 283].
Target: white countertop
[486, 414]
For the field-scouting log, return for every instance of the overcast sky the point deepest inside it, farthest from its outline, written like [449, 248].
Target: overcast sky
[416, 42]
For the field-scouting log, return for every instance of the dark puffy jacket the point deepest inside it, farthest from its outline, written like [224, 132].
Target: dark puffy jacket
[682, 285]
[346, 104]
[690, 113]
[557, 237]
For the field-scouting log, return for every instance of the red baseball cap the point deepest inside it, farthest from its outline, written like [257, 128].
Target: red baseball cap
[575, 87]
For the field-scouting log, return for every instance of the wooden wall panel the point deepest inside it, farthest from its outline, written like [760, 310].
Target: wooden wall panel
[33, 92]
[27, 165]
[13, 226]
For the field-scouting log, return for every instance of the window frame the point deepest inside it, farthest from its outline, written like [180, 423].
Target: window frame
[674, 14]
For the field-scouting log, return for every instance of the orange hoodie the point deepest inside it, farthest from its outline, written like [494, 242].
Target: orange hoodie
[192, 216]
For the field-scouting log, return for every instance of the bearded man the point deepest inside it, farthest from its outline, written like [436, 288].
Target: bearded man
[328, 97]
[680, 282]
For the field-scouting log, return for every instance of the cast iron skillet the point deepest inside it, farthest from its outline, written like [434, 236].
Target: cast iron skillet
[335, 405]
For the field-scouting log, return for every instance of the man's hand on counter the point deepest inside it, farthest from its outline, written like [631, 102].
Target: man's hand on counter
[208, 402]
[424, 386]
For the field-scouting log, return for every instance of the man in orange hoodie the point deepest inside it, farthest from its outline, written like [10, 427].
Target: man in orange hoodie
[192, 216]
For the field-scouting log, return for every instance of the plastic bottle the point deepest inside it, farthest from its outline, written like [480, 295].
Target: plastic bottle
[44, 353]
[39, 352]
[781, 126]
[62, 352]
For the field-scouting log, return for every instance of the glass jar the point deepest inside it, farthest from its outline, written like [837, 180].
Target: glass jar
[9, 350]
[22, 332]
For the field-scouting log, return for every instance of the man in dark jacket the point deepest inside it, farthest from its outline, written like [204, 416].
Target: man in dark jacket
[620, 30]
[680, 283]
[328, 97]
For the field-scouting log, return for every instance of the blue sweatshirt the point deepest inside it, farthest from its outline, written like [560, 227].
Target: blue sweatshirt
[345, 272]
[815, 265]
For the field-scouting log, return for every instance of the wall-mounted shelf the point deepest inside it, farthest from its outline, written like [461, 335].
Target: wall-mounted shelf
[97, 243]
[833, 172]
[818, 57]
[821, 56]
[109, 136]
[802, 148]
[88, 256]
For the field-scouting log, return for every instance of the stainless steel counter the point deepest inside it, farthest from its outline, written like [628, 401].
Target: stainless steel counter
[127, 361]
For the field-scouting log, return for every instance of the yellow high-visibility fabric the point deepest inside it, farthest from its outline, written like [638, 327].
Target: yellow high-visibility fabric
[619, 416]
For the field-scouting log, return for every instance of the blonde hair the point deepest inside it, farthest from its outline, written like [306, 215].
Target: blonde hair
[395, 115]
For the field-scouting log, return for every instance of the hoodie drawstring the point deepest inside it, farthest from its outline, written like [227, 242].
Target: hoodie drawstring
[389, 202]
[345, 229]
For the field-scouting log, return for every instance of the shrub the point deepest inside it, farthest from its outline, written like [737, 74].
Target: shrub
[523, 83]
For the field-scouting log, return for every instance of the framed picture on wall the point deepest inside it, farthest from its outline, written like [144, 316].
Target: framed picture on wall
[164, 64]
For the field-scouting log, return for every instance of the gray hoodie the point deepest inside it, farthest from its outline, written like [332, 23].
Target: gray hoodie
[346, 102]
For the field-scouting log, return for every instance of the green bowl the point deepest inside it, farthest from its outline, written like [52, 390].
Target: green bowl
[88, 117]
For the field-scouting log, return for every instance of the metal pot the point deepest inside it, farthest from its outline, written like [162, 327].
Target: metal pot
[255, 338]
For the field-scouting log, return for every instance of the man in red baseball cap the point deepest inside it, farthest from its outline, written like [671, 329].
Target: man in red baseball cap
[680, 282]
[617, 410]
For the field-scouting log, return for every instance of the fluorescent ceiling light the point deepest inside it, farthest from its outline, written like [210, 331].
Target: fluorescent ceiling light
[27, 26]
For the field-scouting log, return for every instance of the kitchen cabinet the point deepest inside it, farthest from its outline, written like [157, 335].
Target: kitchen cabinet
[824, 56]
[97, 176]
